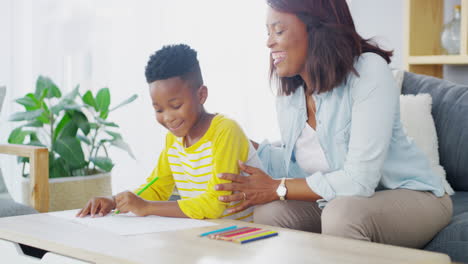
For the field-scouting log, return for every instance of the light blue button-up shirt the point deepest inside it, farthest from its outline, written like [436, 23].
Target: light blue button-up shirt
[359, 129]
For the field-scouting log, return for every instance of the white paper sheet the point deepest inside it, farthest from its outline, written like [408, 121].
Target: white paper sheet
[129, 224]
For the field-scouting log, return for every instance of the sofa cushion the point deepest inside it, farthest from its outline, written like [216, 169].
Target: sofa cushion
[3, 189]
[450, 112]
[460, 203]
[9, 207]
[453, 239]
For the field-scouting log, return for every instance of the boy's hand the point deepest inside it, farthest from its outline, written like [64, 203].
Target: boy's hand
[130, 202]
[97, 206]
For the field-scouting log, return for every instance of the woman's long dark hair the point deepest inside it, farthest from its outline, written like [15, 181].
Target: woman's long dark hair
[334, 44]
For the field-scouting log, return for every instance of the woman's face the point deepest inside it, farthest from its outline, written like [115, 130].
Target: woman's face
[288, 42]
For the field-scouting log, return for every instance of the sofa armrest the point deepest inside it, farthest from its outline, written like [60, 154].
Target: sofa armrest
[39, 172]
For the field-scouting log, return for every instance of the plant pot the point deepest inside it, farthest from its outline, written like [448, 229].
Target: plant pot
[68, 193]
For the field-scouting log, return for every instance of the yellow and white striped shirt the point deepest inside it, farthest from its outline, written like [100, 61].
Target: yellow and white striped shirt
[194, 170]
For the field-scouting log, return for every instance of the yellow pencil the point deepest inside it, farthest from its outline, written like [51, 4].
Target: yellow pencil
[255, 236]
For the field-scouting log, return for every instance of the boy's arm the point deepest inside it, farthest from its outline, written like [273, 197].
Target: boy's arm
[129, 201]
[162, 189]
[153, 201]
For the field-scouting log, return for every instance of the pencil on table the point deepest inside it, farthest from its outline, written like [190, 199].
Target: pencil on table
[256, 237]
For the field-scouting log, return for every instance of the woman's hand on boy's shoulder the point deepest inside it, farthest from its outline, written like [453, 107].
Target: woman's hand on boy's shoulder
[130, 202]
[97, 206]
[258, 188]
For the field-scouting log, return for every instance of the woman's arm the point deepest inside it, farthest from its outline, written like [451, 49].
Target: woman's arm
[260, 188]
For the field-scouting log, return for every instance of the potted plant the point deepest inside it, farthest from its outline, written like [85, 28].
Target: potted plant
[78, 136]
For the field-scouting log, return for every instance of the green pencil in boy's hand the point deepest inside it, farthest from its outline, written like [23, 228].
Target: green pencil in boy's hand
[143, 189]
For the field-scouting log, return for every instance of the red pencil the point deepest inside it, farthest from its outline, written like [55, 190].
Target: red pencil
[253, 229]
[228, 232]
[247, 234]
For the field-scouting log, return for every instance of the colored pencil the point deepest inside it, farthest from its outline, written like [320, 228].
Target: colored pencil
[258, 238]
[143, 189]
[218, 230]
[246, 234]
[255, 236]
[229, 232]
[243, 232]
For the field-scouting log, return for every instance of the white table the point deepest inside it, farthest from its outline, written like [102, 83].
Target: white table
[69, 242]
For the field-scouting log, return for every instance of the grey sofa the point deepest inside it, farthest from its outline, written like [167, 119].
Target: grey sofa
[450, 113]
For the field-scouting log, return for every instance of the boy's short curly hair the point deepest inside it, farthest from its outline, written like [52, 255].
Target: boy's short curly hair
[174, 61]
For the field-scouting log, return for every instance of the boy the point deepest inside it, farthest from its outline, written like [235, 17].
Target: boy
[199, 145]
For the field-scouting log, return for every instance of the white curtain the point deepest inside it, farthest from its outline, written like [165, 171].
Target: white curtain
[100, 43]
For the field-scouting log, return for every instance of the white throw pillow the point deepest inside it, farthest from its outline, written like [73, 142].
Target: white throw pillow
[419, 125]
[416, 117]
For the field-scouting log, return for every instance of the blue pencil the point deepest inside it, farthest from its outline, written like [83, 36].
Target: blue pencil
[218, 230]
[257, 238]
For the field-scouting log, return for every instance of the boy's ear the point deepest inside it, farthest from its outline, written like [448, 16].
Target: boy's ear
[202, 94]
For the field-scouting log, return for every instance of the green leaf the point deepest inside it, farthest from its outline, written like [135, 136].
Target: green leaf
[84, 139]
[61, 124]
[43, 94]
[28, 102]
[93, 125]
[127, 101]
[35, 123]
[34, 140]
[17, 136]
[103, 100]
[119, 143]
[33, 98]
[103, 163]
[104, 114]
[58, 168]
[106, 123]
[70, 150]
[67, 102]
[73, 106]
[81, 121]
[45, 117]
[22, 116]
[68, 131]
[46, 87]
[65, 105]
[89, 100]
[114, 135]
[56, 109]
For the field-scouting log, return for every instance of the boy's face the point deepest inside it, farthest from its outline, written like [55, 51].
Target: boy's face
[176, 104]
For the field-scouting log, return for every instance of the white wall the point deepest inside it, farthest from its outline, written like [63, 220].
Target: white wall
[15, 71]
[381, 20]
[107, 43]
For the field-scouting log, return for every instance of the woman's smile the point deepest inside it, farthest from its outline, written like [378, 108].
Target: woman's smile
[278, 56]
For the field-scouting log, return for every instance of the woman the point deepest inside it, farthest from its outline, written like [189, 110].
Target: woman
[350, 169]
